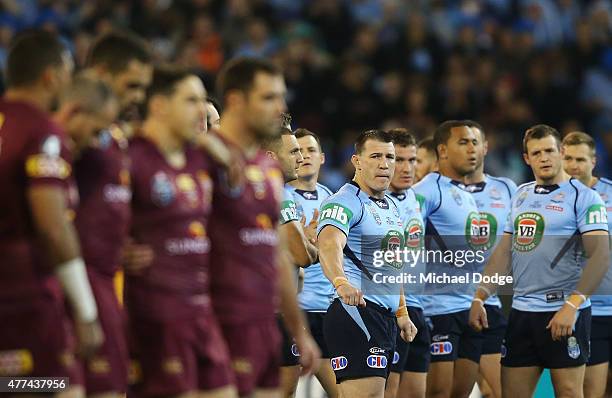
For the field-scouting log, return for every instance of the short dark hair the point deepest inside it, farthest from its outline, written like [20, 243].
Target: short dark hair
[428, 145]
[376, 135]
[239, 74]
[273, 143]
[402, 137]
[475, 124]
[91, 94]
[299, 133]
[165, 79]
[30, 55]
[578, 138]
[540, 131]
[443, 131]
[116, 50]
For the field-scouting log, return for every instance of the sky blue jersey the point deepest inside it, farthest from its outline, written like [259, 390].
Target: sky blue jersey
[493, 198]
[547, 259]
[601, 301]
[288, 209]
[372, 226]
[317, 292]
[451, 222]
[414, 233]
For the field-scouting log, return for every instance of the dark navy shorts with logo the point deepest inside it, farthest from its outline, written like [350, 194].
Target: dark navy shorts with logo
[453, 338]
[290, 355]
[494, 334]
[529, 343]
[361, 340]
[413, 356]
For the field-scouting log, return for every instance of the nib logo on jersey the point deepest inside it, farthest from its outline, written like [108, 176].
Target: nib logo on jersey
[195, 243]
[336, 212]
[264, 234]
[528, 231]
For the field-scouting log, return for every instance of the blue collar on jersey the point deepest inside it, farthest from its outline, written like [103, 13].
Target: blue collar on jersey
[476, 187]
[398, 196]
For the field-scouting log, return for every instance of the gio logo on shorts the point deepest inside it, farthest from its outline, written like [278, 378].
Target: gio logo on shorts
[528, 231]
[294, 350]
[336, 212]
[441, 348]
[339, 363]
[377, 361]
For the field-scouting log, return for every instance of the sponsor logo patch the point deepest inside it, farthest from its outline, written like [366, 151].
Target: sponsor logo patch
[336, 212]
[441, 348]
[528, 231]
[377, 361]
[376, 350]
[573, 349]
[339, 363]
[16, 362]
[396, 357]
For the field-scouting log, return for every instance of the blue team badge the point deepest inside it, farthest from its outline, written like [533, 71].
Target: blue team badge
[536, 205]
[495, 194]
[294, 350]
[456, 196]
[604, 196]
[573, 349]
[396, 357]
[162, 189]
[558, 198]
[521, 198]
[377, 361]
[479, 204]
[339, 363]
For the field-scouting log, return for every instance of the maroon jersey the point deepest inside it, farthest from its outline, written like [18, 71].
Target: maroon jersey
[103, 178]
[170, 210]
[243, 231]
[32, 152]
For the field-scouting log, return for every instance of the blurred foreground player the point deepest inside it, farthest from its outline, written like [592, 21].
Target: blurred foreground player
[176, 338]
[250, 253]
[579, 159]
[103, 179]
[39, 245]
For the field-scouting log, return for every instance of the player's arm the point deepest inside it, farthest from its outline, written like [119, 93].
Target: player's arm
[292, 315]
[302, 251]
[498, 264]
[331, 244]
[59, 237]
[407, 329]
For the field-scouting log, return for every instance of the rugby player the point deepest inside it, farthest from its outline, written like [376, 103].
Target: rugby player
[317, 292]
[250, 251]
[41, 260]
[493, 196]
[549, 326]
[579, 159]
[426, 158]
[122, 61]
[177, 341]
[451, 218]
[409, 367]
[356, 224]
[286, 151]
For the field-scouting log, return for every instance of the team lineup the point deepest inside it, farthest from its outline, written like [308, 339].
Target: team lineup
[193, 252]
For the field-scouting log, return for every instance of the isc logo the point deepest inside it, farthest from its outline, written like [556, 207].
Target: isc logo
[441, 348]
[339, 363]
[377, 361]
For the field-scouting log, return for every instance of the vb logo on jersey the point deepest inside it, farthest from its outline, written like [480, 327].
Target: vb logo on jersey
[597, 214]
[413, 234]
[336, 212]
[472, 229]
[393, 242]
[528, 231]
[487, 231]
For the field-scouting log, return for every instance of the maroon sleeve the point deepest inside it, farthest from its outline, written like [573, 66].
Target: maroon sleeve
[46, 156]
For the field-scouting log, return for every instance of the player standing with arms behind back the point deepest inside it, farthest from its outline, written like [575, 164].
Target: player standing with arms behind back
[39, 245]
[250, 253]
[550, 322]
[579, 159]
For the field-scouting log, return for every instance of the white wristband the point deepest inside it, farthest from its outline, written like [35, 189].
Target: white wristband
[484, 289]
[571, 304]
[74, 280]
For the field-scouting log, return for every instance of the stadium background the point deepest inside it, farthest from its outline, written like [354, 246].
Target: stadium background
[352, 65]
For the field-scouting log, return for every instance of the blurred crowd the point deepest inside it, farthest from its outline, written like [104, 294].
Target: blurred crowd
[356, 64]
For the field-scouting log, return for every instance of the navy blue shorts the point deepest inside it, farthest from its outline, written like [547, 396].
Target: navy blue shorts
[453, 338]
